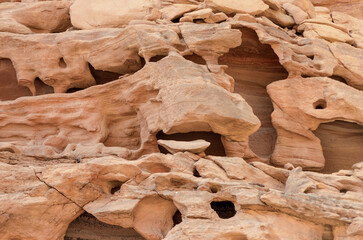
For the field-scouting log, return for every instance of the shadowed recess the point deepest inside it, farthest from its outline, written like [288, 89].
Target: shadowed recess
[87, 227]
[156, 58]
[42, 88]
[216, 147]
[224, 209]
[9, 88]
[177, 218]
[115, 186]
[102, 77]
[253, 66]
[196, 59]
[342, 144]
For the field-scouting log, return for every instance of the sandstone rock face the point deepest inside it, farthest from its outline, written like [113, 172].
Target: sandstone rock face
[87, 14]
[28, 18]
[181, 119]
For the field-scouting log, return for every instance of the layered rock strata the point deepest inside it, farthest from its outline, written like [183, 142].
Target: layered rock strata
[181, 119]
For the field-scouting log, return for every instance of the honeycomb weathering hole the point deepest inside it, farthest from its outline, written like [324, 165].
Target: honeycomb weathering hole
[115, 186]
[62, 63]
[224, 209]
[196, 173]
[177, 218]
[320, 104]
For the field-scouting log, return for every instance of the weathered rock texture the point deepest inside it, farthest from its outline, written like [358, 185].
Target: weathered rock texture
[181, 119]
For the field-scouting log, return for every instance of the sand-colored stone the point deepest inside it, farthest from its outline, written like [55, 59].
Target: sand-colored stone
[324, 29]
[155, 186]
[67, 66]
[271, 88]
[297, 13]
[141, 105]
[87, 14]
[352, 24]
[28, 18]
[196, 146]
[296, 115]
[252, 7]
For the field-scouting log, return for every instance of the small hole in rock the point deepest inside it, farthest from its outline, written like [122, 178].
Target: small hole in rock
[116, 186]
[176, 20]
[198, 20]
[224, 209]
[320, 104]
[343, 190]
[214, 189]
[196, 59]
[62, 63]
[196, 173]
[177, 218]
[311, 57]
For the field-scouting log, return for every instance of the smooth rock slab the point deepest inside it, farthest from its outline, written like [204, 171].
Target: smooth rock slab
[196, 146]
[252, 7]
[89, 14]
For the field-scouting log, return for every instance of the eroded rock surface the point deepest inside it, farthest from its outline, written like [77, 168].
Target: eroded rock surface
[181, 119]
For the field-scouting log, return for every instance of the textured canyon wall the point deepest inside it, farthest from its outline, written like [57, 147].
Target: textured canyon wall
[181, 119]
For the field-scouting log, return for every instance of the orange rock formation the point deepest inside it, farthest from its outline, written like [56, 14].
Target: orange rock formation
[181, 119]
